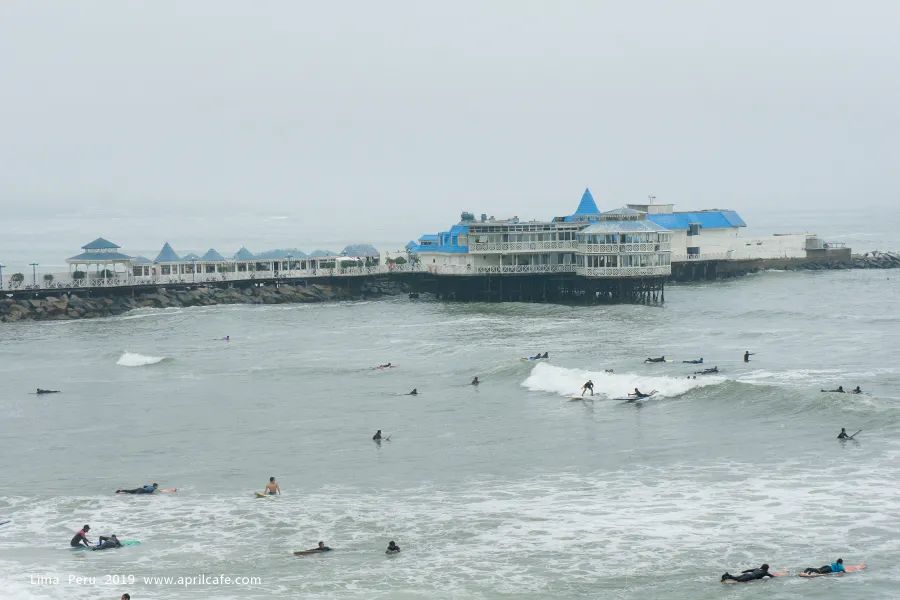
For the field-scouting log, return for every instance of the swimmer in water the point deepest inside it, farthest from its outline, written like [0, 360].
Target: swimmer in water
[320, 548]
[272, 488]
[385, 366]
[475, 381]
[414, 392]
[377, 436]
[392, 548]
[749, 574]
[856, 390]
[589, 385]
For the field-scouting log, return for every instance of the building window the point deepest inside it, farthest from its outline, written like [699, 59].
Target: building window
[694, 229]
[693, 250]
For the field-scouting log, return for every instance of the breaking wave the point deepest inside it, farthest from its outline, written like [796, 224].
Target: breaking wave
[565, 382]
[133, 359]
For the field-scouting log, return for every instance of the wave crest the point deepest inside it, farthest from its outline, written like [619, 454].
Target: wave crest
[566, 382]
[133, 359]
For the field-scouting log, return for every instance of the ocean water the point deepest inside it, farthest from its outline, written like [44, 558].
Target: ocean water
[505, 490]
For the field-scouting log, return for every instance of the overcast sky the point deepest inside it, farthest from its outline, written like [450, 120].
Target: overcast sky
[394, 116]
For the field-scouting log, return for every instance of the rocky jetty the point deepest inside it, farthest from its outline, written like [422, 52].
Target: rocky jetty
[75, 306]
[876, 260]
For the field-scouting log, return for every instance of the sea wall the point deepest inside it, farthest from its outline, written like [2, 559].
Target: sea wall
[75, 306]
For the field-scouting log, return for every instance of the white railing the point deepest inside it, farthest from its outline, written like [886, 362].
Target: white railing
[525, 269]
[624, 271]
[521, 246]
[121, 280]
[702, 256]
[624, 248]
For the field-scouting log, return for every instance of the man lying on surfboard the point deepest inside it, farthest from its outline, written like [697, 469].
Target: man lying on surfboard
[320, 548]
[639, 394]
[656, 360]
[146, 489]
[835, 567]
[748, 575]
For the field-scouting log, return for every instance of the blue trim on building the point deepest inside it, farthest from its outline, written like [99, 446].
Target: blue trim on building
[707, 219]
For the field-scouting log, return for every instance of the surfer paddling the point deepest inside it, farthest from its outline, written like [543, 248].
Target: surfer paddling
[749, 575]
[320, 548]
[42, 391]
[144, 489]
[639, 394]
[844, 436]
[660, 359]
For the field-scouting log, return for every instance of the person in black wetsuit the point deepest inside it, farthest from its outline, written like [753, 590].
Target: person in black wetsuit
[145, 489]
[656, 360]
[546, 355]
[81, 538]
[105, 543]
[843, 434]
[749, 574]
[747, 355]
[698, 361]
[589, 385]
[377, 436]
[839, 390]
[475, 381]
[40, 391]
[638, 394]
[392, 548]
[856, 390]
[707, 371]
[414, 392]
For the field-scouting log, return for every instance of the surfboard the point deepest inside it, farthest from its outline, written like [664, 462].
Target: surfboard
[261, 495]
[5, 522]
[309, 552]
[634, 399]
[528, 358]
[847, 568]
[167, 490]
[123, 542]
[574, 398]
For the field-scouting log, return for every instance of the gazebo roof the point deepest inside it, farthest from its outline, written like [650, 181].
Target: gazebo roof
[212, 256]
[167, 255]
[99, 257]
[320, 253]
[191, 256]
[100, 244]
[141, 260]
[243, 254]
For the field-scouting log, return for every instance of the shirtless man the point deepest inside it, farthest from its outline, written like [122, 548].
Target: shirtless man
[272, 488]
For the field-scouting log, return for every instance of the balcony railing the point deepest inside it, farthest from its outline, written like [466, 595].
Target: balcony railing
[475, 247]
[624, 271]
[624, 248]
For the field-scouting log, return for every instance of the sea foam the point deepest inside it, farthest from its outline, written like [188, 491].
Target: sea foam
[133, 359]
[565, 382]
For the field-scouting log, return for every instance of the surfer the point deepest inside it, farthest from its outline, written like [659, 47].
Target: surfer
[843, 434]
[835, 567]
[377, 436]
[475, 381]
[697, 361]
[81, 538]
[839, 390]
[707, 371]
[392, 548]
[856, 390]
[145, 489]
[656, 360]
[320, 548]
[639, 394]
[105, 543]
[747, 355]
[749, 574]
[414, 392]
[125, 596]
[227, 338]
[272, 488]
[40, 391]
[385, 366]
[546, 355]
[589, 385]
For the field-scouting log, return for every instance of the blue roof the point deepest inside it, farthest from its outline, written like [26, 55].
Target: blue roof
[100, 244]
[190, 256]
[167, 255]
[428, 237]
[707, 219]
[141, 260]
[212, 256]
[320, 253]
[243, 254]
[99, 257]
[587, 206]
[459, 229]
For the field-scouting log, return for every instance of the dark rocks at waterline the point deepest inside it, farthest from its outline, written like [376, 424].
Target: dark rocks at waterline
[73, 306]
[876, 260]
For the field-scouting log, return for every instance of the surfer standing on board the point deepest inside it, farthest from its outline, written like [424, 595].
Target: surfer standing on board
[589, 385]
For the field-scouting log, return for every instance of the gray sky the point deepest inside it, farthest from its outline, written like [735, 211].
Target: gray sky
[391, 117]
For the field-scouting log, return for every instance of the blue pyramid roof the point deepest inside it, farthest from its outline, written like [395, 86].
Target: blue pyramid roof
[243, 254]
[100, 244]
[587, 206]
[167, 255]
[212, 256]
[191, 256]
[320, 253]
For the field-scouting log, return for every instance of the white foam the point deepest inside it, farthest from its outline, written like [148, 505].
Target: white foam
[565, 382]
[133, 359]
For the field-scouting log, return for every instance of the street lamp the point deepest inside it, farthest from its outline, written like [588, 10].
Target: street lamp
[33, 273]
